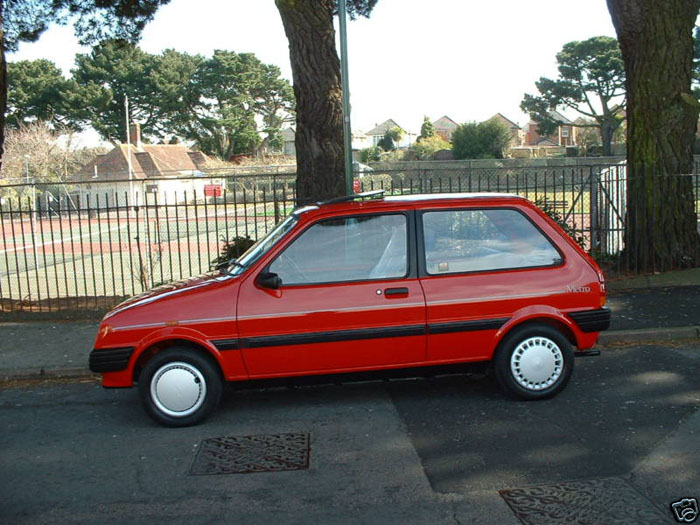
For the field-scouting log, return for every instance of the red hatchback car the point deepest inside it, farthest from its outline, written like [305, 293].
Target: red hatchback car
[364, 283]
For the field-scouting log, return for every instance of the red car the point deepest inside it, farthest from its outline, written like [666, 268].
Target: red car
[363, 283]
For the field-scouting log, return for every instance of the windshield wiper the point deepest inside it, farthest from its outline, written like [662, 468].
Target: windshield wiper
[225, 264]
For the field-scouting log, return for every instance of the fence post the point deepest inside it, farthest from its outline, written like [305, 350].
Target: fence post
[32, 218]
[595, 234]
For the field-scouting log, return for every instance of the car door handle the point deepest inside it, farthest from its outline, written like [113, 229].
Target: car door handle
[389, 292]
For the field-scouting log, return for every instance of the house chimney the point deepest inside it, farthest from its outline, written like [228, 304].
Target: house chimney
[135, 134]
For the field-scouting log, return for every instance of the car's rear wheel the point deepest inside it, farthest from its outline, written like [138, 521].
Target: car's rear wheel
[534, 362]
[180, 387]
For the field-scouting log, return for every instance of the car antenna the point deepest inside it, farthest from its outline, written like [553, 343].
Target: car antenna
[375, 194]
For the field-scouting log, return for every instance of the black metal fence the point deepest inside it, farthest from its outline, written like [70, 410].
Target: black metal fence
[88, 245]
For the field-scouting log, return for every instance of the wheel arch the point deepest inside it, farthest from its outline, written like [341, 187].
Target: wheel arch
[553, 319]
[155, 347]
[555, 323]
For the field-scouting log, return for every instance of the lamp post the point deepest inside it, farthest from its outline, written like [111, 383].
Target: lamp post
[342, 15]
[128, 151]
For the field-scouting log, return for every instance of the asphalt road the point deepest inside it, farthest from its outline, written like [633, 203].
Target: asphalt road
[419, 451]
[613, 412]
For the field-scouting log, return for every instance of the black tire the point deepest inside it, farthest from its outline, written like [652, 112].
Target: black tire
[180, 387]
[544, 373]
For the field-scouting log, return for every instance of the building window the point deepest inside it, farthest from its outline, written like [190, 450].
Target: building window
[564, 132]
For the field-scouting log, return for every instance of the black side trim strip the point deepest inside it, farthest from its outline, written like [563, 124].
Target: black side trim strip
[110, 359]
[467, 326]
[225, 344]
[592, 320]
[330, 337]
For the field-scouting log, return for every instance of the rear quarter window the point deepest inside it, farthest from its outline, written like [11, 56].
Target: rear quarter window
[473, 240]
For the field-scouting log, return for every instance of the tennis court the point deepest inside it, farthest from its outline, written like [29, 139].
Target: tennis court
[116, 252]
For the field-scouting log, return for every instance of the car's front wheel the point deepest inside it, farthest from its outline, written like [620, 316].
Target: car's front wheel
[534, 362]
[180, 387]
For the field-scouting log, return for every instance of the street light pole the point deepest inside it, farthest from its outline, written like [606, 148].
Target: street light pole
[342, 15]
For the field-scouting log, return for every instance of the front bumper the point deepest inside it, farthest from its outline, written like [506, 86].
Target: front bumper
[110, 359]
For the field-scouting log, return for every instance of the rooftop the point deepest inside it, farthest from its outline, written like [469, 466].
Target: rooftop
[381, 129]
[445, 123]
[147, 160]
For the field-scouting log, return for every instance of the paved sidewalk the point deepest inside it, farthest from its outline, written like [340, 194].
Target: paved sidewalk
[51, 348]
[650, 308]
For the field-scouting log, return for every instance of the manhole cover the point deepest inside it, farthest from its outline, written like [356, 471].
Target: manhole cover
[242, 454]
[608, 500]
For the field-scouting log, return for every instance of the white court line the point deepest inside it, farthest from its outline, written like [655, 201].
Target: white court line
[57, 241]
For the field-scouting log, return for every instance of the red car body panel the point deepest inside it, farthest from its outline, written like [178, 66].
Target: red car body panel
[255, 332]
[330, 308]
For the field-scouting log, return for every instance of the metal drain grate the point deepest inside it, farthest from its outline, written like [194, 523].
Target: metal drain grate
[243, 454]
[607, 500]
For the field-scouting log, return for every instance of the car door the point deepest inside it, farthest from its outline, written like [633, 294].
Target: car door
[349, 299]
[478, 266]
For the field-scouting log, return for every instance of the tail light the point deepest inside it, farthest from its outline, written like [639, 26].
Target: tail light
[603, 291]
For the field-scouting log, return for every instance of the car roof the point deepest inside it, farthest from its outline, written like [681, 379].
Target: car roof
[376, 200]
[451, 196]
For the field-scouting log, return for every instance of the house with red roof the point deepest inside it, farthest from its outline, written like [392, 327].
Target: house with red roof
[444, 128]
[515, 130]
[136, 172]
[563, 136]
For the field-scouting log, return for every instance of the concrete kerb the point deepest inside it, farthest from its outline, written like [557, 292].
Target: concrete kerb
[38, 374]
[647, 335]
[611, 338]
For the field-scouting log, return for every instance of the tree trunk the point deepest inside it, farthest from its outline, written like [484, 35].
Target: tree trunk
[607, 130]
[3, 82]
[657, 47]
[308, 25]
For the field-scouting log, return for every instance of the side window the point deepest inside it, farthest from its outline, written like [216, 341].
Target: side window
[346, 249]
[479, 240]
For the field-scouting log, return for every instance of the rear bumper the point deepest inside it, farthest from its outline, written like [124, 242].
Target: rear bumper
[592, 320]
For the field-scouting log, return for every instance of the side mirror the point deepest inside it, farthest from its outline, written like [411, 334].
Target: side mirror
[269, 280]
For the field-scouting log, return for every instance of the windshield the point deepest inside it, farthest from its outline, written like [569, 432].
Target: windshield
[238, 266]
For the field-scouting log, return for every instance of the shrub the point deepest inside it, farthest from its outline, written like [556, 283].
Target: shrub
[557, 217]
[427, 129]
[232, 249]
[393, 156]
[376, 181]
[486, 140]
[425, 148]
[370, 154]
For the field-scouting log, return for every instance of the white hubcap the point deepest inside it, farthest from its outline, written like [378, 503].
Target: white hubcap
[178, 389]
[536, 363]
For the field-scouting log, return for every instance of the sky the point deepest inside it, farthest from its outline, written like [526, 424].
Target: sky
[466, 59]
